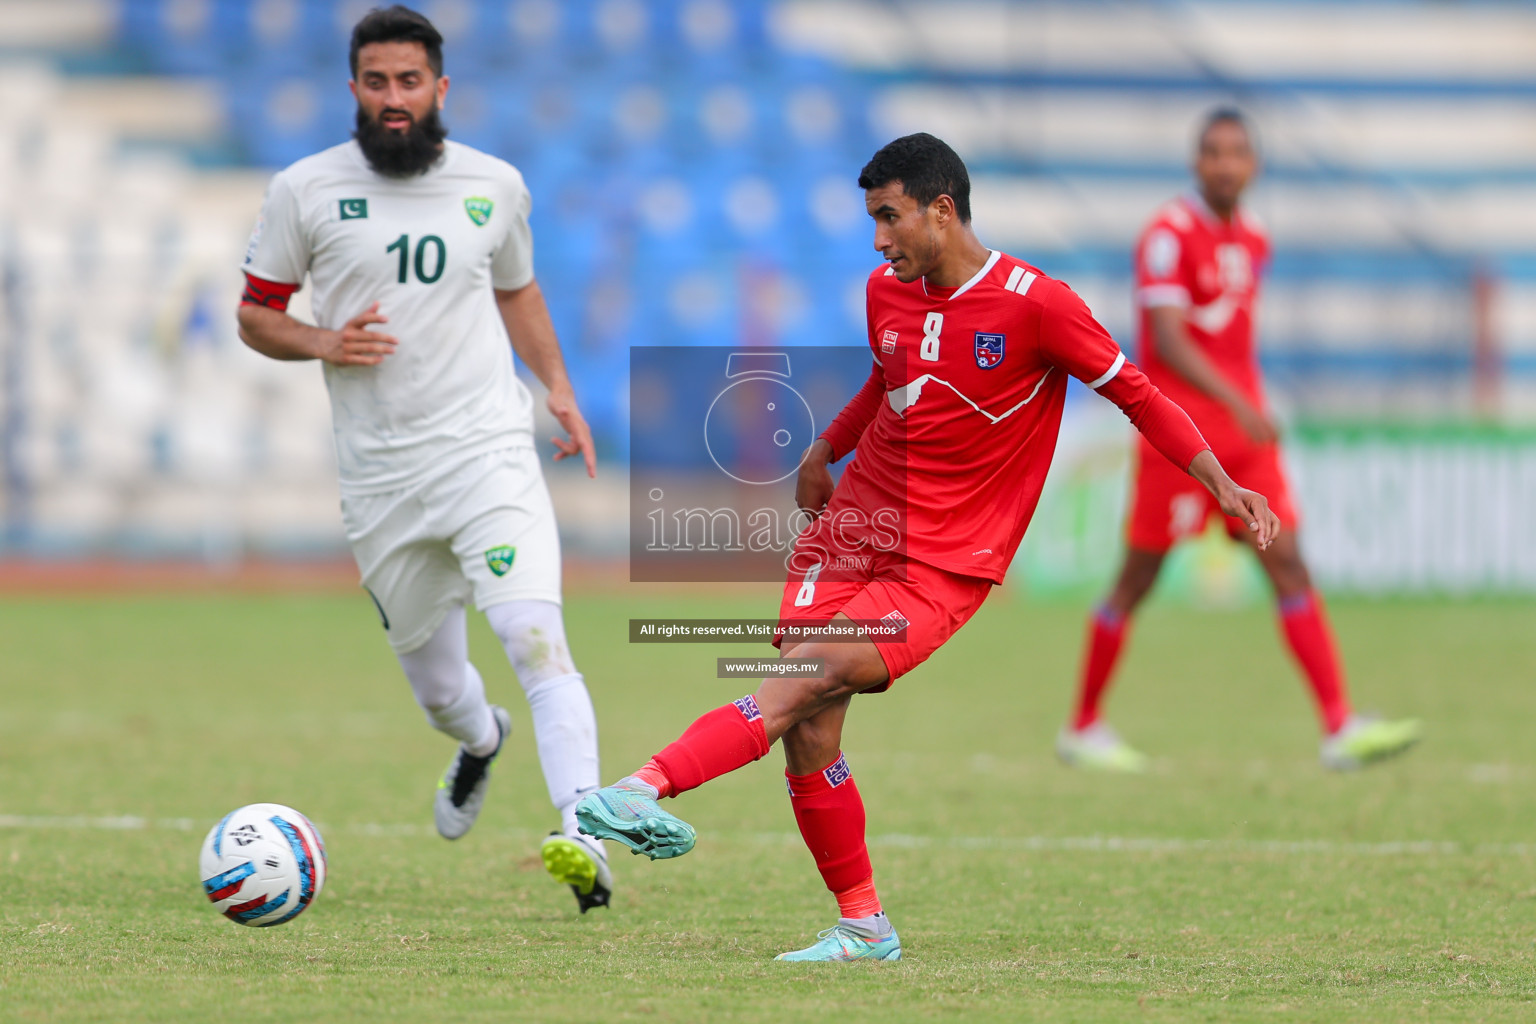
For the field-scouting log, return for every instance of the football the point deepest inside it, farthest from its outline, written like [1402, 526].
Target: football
[262, 864]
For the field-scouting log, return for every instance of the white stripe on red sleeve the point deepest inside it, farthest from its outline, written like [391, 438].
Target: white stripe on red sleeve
[1019, 280]
[1163, 295]
[1109, 374]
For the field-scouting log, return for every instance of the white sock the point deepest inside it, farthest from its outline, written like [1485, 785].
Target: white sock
[470, 716]
[564, 725]
[639, 785]
[876, 926]
[449, 689]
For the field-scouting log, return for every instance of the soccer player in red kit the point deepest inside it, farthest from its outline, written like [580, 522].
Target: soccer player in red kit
[1197, 275]
[954, 429]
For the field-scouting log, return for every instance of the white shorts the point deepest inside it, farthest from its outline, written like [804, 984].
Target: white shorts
[484, 529]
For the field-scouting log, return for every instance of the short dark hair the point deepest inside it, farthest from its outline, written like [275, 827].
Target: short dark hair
[1224, 115]
[397, 24]
[926, 167]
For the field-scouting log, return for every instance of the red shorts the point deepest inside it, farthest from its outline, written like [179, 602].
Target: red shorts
[830, 576]
[1168, 504]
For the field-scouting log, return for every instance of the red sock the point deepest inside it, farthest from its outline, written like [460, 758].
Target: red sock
[719, 742]
[858, 901]
[1106, 632]
[830, 814]
[1306, 630]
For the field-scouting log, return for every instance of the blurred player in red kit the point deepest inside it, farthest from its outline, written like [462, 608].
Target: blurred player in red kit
[1197, 277]
[954, 429]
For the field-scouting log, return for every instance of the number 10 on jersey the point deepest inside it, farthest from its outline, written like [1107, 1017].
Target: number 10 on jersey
[439, 259]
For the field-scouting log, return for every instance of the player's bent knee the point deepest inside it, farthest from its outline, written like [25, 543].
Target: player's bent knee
[789, 702]
[847, 669]
[437, 692]
[435, 701]
[813, 694]
[811, 744]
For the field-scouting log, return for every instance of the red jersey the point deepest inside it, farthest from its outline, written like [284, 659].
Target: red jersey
[957, 423]
[1190, 258]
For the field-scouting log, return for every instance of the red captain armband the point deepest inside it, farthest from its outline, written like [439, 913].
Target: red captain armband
[272, 294]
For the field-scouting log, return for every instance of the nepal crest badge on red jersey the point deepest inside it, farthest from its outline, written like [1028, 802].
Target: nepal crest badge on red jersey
[989, 350]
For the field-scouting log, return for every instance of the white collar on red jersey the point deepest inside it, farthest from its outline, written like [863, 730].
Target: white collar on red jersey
[1202, 209]
[986, 268]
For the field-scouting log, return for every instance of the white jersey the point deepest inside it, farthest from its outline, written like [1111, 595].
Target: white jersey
[429, 249]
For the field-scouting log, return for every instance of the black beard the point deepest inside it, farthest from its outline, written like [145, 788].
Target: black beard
[401, 154]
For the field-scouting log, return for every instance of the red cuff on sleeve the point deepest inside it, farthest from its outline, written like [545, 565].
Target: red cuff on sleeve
[272, 294]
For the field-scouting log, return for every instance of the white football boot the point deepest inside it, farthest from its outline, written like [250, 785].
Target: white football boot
[1099, 748]
[461, 790]
[1365, 739]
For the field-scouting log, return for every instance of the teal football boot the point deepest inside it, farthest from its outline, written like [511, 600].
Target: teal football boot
[840, 943]
[633, 818]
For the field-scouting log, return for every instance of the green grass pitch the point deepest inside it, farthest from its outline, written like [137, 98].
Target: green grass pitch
[1237, 881]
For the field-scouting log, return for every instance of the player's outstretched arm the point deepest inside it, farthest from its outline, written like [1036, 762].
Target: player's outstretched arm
[1170, 430]
[1071, 338]
[1249, 506]
[533, 339]
[277, 335]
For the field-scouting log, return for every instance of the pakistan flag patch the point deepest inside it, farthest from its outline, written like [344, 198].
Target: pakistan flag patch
[500, 559]
[479, 209]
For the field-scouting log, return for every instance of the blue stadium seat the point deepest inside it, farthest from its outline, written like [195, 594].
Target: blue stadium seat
[185, 37]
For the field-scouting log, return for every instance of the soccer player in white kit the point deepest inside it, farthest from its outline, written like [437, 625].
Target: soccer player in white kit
[421, 259]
